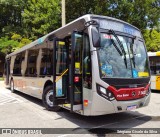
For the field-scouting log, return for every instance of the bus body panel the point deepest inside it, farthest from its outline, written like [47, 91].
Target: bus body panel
[158, 82]
[30, 86]
[101, 106]
[153, 82]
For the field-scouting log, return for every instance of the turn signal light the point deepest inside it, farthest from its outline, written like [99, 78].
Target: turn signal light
[85, 103]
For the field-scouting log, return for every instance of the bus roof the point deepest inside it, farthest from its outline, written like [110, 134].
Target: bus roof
[154, 53]
[79, 24]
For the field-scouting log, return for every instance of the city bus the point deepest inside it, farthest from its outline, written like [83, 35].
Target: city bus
[154, 58]
[94, 65]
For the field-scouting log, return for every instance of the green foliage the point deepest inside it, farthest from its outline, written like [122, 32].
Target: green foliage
[41, 16]
[152, 39]
[16, 37]
[26, 20]
[136, 12]
[15, 42]
[8, 46]
[10, 16]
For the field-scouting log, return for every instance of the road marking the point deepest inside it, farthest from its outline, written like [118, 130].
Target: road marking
[6, 99]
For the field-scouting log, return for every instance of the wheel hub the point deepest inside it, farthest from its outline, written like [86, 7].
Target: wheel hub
[49, 98]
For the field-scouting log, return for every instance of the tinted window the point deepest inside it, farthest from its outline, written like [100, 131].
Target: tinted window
[155, 65]
[87, 79]
[61, 57]
[32, 60]
[46, 62]
[17, 63]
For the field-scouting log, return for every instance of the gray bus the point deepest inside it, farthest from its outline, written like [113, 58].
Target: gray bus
[94, 65]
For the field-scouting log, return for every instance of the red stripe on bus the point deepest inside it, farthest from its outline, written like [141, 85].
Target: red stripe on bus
[129, 93]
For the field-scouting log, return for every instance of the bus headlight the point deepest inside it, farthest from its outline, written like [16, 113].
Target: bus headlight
[105, 93]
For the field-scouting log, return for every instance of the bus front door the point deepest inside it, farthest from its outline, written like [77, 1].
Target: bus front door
[75, 72]
[68, 72]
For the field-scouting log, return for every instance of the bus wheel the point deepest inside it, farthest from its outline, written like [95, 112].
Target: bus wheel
[47, 99]
[12, 86]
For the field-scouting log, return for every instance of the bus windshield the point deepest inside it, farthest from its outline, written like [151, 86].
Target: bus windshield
[117, 62]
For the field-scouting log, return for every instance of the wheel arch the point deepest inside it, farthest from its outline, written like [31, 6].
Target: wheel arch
[48, 83]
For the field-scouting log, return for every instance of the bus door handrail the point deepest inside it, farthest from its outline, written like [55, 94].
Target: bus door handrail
[57, 79]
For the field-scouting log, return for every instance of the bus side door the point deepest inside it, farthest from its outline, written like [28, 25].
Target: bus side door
[75, 73]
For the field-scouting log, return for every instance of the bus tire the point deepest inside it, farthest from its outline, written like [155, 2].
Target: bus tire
[12, 86]
[47, 97]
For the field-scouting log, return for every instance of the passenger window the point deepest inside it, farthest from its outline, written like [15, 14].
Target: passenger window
[46, 67]
[32, 60]
[61, 57]
[17, 63]
[155, 65]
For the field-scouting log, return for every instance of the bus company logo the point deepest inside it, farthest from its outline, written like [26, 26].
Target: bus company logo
[133, 94]
[6, 131]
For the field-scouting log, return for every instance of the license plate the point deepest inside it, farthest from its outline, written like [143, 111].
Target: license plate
[131, 107]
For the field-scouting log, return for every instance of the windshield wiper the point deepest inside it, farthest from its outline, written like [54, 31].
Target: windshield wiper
[121, 46]
[133, 58]
[114, 44]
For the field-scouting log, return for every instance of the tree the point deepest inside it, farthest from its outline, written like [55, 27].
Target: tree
[77, 8]
[8, 45]
[10, 16]
[41, 17]
[136, 12]
[152, 39]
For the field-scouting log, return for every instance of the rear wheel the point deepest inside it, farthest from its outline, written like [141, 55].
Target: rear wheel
[12, 86]
[47, 99]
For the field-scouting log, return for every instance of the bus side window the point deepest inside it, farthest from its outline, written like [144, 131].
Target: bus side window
[32, 60]
[61, 58]
[155, 65]
[46, 62]
[17, 64]
[87, 75]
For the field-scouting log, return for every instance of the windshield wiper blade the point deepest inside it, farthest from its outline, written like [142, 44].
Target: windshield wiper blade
[121, 46]
[133, 58]
[114, 44]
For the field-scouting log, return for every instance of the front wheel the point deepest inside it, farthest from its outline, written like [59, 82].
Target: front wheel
[47, 99]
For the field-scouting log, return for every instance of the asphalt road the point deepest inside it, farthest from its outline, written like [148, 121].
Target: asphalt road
[18, 110]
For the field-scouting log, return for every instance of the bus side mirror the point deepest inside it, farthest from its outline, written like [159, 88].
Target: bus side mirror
[95, 37]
